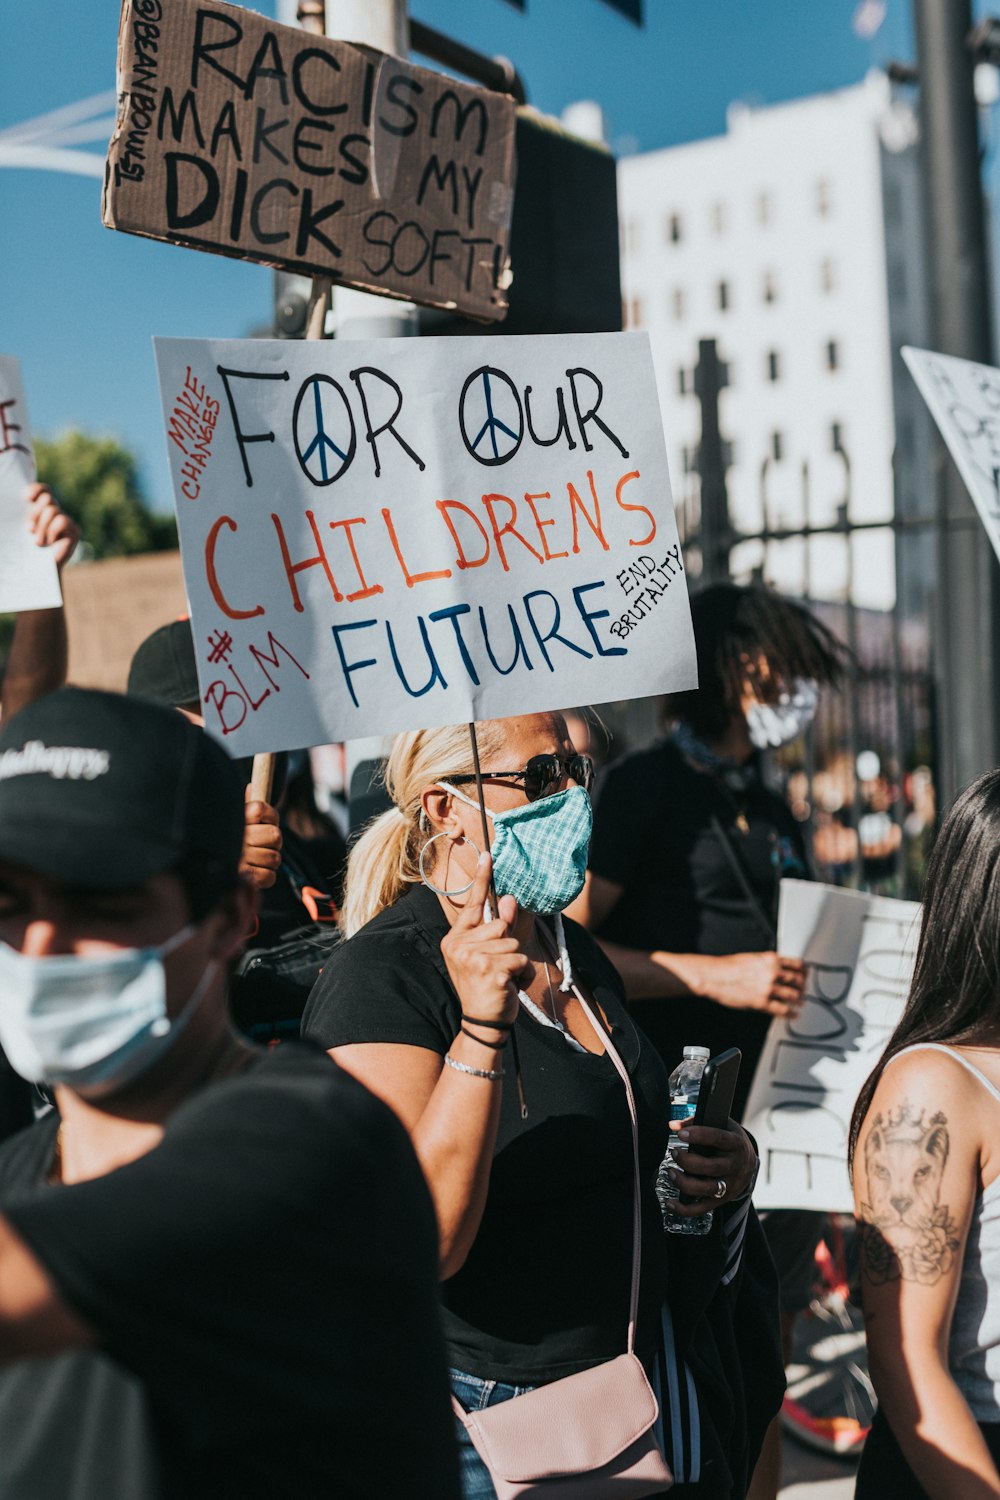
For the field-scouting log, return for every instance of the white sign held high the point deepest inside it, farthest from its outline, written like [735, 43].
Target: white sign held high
[29, 578]
[859, 952]
[410, 532]
[964, 400]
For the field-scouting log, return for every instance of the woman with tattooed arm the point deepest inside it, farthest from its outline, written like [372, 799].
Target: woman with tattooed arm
[925, 1154]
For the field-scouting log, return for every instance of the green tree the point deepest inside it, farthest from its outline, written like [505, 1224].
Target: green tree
[96, 481]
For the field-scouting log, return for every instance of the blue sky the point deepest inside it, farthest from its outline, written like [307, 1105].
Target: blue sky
[79, 304]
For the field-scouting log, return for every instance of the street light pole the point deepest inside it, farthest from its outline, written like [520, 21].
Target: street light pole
[965, 616]
[715, 530]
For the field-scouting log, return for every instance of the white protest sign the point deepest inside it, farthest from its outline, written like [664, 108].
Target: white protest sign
[859, 953]
[964, 400]
[410, 532]
[29, 578]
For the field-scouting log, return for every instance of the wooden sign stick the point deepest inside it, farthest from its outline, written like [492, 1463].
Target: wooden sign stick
[312, 17]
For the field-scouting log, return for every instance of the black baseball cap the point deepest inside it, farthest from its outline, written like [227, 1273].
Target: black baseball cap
[163, 667]
[103, 791]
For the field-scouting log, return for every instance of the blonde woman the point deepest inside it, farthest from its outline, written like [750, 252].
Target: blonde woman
[430, 1001]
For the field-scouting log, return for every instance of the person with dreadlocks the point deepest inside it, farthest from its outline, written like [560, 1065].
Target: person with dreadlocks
[688, 850]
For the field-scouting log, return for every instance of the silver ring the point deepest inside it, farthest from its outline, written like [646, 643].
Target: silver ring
[721, 1187]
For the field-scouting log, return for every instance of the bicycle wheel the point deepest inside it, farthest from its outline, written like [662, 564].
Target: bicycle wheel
[830, 1400]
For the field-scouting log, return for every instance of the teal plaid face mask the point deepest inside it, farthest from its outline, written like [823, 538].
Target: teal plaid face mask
[540, 850]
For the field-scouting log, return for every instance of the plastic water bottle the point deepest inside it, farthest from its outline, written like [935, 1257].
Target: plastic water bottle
[685, 1081]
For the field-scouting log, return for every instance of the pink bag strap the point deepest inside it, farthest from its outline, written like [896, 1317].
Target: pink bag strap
[633, 1311]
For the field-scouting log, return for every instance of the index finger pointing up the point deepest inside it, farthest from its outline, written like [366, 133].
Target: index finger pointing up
[471, 914]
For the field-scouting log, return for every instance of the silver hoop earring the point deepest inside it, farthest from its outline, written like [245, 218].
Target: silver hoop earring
[436, 888]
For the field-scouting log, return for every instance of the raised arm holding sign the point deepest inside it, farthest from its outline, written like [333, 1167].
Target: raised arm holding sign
[29, 578]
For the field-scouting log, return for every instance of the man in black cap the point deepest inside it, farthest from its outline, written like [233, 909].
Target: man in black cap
[35, 664]
[217, 1265]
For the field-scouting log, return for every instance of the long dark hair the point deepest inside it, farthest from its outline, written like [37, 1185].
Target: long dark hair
[955, 992]
[734, 626]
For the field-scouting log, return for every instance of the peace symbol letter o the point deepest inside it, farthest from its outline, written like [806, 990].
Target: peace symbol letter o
[319, 442]
[493, 441]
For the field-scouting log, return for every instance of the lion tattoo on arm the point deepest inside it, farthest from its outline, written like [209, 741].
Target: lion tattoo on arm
[907, 1233]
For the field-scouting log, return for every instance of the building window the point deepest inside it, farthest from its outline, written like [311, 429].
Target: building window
[769, 287]
[685, 384]
[765, 208]
[773, 365]
[824, 201]
[718, 218]
[828, 275]
[832, 355]
[722, 296]
[777, 446]
[675, 231]
[678, 302]
[689, 460]
[836, 437]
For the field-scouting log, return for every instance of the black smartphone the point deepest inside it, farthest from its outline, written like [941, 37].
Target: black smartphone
[715, 1095]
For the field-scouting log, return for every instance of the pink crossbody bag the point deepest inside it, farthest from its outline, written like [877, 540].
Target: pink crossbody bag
[589, 1436]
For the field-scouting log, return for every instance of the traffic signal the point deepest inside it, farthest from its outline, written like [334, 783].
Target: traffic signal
[563, 241]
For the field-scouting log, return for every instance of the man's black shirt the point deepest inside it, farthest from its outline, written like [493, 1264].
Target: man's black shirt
[263, 1285]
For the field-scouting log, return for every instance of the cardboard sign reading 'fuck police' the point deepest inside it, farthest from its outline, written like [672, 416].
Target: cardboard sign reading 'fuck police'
[410, 532]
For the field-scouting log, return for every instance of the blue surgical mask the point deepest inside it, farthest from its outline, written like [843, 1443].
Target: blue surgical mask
[540, 850]
[93, 1024]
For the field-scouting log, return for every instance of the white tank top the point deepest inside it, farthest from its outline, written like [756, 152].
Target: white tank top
[974, 1342]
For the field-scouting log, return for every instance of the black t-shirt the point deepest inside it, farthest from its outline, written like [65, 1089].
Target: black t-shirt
[263, 1283]
[654, 835]
[545, 1288]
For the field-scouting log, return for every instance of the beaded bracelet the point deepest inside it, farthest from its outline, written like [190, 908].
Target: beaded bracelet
[461, 1067]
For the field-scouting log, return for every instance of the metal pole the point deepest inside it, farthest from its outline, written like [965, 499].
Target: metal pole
[967, 583]
[716, 533]
[383, 24]
[311, 15]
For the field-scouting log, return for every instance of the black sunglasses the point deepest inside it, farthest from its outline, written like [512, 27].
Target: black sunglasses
[542, 774]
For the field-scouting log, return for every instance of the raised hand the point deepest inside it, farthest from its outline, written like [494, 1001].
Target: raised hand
[50, 525]
[260, 856]
[482, 957]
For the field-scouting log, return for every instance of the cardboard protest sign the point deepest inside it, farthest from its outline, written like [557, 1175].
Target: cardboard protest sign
[391, 535]
[29, 578]
[859, 950]
[246, 138]
[964, 399]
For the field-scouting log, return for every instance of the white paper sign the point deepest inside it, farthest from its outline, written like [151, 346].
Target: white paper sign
[410, 532]
[859, 951]
[29, 578]
[964, 400]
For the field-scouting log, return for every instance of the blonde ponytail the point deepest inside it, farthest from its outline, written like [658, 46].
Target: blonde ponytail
[386, 858]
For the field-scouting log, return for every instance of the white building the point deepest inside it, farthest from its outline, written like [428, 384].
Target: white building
[795, 241]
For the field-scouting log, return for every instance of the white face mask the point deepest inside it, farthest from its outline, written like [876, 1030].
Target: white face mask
[93, 1024]
[770, 725]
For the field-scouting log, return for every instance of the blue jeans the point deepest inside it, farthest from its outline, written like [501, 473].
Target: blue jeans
[475, 1394]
